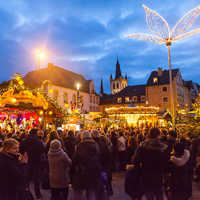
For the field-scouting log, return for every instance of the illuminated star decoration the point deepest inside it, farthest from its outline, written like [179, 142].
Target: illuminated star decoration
[161, 30]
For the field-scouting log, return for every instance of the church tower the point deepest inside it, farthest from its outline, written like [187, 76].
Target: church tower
[119, 83]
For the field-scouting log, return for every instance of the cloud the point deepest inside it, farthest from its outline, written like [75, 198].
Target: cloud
[87, 36]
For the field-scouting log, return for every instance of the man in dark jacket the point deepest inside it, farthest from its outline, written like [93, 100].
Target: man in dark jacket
[152, 157]
[86, 168]
[35, 150]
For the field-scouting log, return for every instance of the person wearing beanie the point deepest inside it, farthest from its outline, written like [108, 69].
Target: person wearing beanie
[59, 166]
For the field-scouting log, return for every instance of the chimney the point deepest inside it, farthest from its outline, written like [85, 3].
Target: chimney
[50, 65]
[159, 71]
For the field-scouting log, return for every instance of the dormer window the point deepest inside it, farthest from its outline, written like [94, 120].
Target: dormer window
[143, 98]
[119, 100]
[127, 99]
[135, 99]
[155, 80]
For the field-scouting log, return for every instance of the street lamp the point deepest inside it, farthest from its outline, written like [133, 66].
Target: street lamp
[40, 55]
[162, 35]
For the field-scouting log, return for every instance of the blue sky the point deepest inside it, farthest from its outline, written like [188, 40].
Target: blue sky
[86, 36]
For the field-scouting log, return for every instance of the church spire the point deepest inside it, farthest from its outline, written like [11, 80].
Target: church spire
[101, 89]
[118, 70]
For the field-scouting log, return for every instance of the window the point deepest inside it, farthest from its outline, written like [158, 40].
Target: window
[127, 99]
[55, 94]
[165, 99]
[143, 98]
[97, 100]
[65, 98]
[134, 99]
[82, 99]
[74, 98]
[90, 98]
[164, 89]
[155, 80]
[119, 100]
[113, 85]
[117, 85]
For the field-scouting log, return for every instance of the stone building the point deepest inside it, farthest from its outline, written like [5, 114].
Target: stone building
[61, 84]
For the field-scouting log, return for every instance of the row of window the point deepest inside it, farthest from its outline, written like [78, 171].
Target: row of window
[94, 109]
[117, 85]
[131, 99]
[94, 99]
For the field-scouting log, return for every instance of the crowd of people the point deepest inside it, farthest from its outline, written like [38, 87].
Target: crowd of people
[155, 163]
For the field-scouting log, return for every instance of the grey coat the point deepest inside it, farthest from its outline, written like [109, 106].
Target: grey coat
[59, 166]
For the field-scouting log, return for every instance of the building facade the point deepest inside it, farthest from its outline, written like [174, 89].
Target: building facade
[61, 85]
[154, 94]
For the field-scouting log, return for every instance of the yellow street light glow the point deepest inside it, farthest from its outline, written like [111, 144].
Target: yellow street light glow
[21, 82]
[66, 105]
[41, 55]
[41, 112]
[50, 112]
[13, 100]
[18, 78]
[51, 91]
[78, 86]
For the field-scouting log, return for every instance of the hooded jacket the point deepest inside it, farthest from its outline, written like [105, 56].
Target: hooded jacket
[152, 158]
[59, 166]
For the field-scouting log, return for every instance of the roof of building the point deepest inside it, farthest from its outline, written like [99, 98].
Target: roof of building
[134, 90]
[57, 76]
[129, 91]
[163, 78]
[188, 84]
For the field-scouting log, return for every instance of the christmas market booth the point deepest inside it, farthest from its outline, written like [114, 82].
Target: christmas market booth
[21, 107]
[134, 116]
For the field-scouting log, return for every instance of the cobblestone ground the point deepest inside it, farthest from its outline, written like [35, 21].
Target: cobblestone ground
[118, 186]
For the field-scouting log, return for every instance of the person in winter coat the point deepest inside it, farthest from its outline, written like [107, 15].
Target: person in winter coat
[35, 150]
[59, 166]
[70, 143]
[86, 168]
[152, 159]
[122, 151]
[180, 176]
[12, 176]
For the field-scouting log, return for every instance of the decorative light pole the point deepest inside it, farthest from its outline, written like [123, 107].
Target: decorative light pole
[162, 35]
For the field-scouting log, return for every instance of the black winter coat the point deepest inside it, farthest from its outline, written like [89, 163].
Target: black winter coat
[34, 148]
[86, 166]
[12, 176]
[152, 158]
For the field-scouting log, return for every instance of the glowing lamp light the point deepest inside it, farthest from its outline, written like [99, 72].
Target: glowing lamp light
[50, 112]
[40, 119]
[41, 112]
[40, 54]
[21, 82]
[18, 78]
[78, 86]
[51, 91]
[66, 105]
[14, 100]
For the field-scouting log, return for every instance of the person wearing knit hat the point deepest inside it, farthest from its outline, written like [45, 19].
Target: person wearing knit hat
[59, 167]
[55, 145]
[86, 134]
